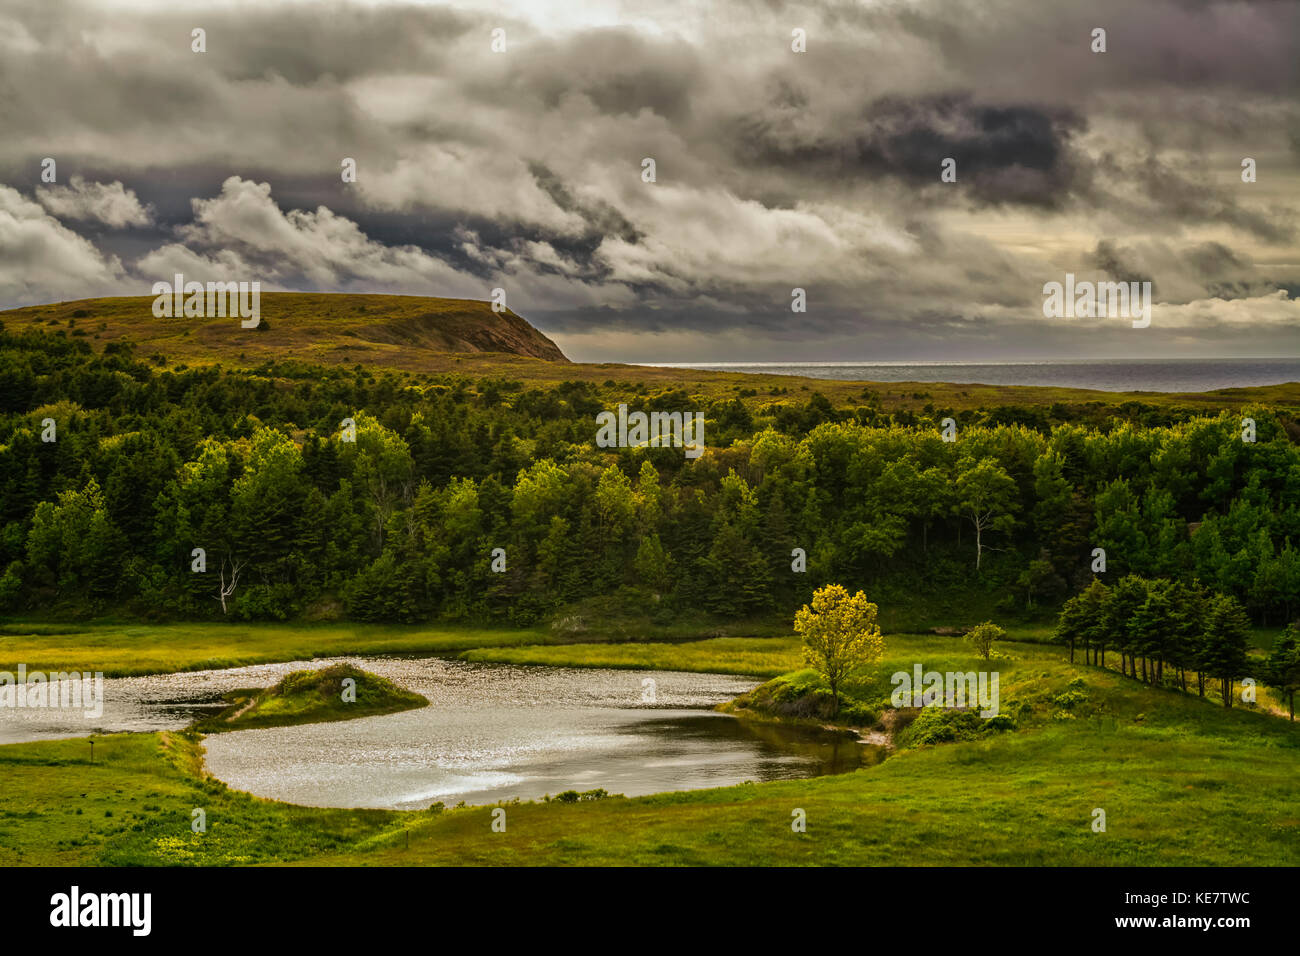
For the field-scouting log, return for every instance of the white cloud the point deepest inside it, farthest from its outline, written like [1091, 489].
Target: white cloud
[41, 260]
[243, 235]
[453, 178]
[110, 203]
[1274, 310]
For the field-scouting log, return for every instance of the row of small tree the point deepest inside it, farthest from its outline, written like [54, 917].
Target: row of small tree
[1159, 624]
[1282, 669]
[1149, 623]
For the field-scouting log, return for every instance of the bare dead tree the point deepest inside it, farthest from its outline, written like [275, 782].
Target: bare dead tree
[228, 589]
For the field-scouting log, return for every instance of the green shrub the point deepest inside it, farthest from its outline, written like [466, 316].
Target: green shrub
[937, 725]
[573, 796]
[1069, 699]
[857, 713]
[1017, 709]
[266, 602]
[982, 636]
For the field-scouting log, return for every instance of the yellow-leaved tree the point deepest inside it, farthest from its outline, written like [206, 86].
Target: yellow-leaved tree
[839, 634]
[982, 636]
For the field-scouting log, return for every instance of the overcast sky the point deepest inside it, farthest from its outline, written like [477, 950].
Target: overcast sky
[522, 169]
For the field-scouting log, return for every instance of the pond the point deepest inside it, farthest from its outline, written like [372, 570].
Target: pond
[492, 732]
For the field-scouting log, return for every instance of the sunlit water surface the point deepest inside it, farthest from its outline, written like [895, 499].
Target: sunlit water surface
[492, 732]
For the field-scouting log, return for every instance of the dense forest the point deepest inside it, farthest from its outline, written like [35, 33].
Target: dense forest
[115, 468]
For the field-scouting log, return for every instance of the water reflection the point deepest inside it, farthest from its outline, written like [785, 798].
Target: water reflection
[492, 732]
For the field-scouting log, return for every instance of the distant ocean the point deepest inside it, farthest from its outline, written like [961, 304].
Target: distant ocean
[1118, 375]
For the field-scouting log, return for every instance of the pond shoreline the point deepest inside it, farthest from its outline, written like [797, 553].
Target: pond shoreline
[491, 732]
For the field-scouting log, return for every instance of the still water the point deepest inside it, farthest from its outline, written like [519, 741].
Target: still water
[492, 732]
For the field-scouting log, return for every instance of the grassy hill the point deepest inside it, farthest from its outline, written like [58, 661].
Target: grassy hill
[432, 336]
[395, 331]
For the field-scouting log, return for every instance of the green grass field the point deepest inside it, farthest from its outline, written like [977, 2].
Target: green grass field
[1181, 781]
[754, 657]
[123, 650]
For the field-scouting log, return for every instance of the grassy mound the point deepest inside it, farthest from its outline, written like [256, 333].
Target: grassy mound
[311, 697]
[802, 696]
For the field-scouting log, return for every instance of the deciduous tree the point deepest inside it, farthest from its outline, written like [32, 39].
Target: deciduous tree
[840, 634]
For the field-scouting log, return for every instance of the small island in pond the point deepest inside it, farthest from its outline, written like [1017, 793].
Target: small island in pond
[311, 697]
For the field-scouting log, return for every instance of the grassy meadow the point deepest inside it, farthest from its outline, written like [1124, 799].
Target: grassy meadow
[1181, 781]
[126, 650]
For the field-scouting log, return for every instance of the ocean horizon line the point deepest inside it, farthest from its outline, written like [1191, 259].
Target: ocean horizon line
[929, 362]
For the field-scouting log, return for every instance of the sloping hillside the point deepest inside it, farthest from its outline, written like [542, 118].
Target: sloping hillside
[426, 335]
[399, 331]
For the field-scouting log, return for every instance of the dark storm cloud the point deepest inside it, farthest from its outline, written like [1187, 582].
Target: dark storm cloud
[1228, 275]
[617, 70]
[338, 41]
[1156, 44]
[1111, 260]
[603, 218]
[1012, 153]
[1180, 199]
[1215, 259]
